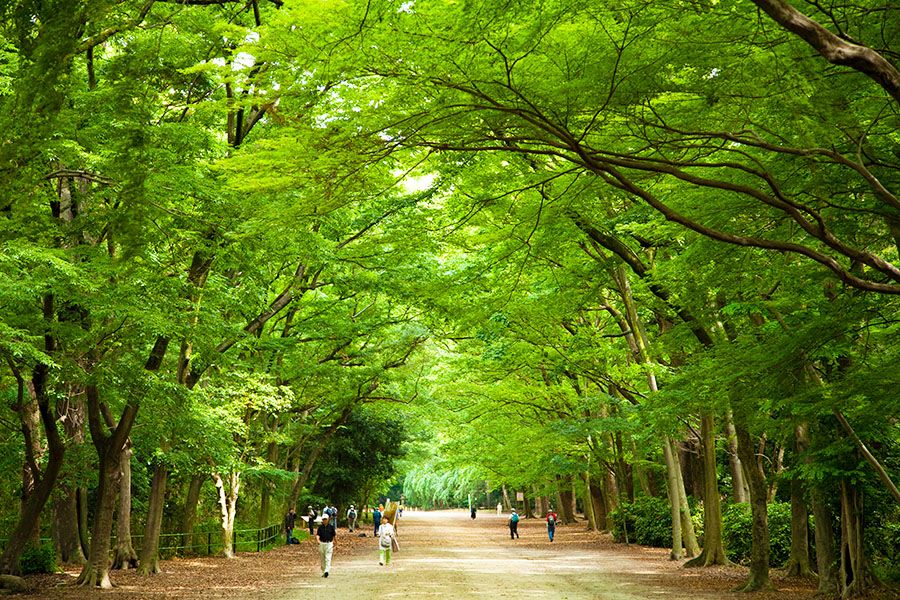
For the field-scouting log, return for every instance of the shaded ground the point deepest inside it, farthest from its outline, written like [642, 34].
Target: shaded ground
[443, 555]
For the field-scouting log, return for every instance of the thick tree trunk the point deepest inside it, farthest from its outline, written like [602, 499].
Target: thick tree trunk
[826, 556]
[541, 504]
[588, 504]
[507, 505]
[65, 531]
[529, 513]
[30, 421]
[798, 564]
[228, 506]
[759, 550]
[599, 506]
[95, 572]
[124, 556]
[713, 548]
[739, 491]
[84, 531]
[691, 546]
[190, 511]
[856, 577]
[677, 551]
[150, 547]
[566, 500]
[31, 512]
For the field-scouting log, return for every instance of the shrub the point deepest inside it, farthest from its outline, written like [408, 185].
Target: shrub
[737, 532]
[648, 522]
[38, 559]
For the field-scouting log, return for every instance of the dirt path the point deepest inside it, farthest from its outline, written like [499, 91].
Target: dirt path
[444, 556]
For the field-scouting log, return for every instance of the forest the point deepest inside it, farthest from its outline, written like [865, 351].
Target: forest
[259, 254]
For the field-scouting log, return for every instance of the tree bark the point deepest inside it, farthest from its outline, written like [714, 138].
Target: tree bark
[677, 551]
[691, 546]
[506, 504]
[798, 564]
[759, 550]
[599, 506]
[228, 507]
[31, 512]
[588, 504]
[150, 547]
[566, 499]
[190, 511]
[856, 576]
[65, 531]
[739, 491]
[95, 572]
[124, 556]
[713, 548]
[826, 557]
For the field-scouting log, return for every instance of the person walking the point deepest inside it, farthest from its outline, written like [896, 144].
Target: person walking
[551, 523]
[289, 520]
[351, 518]
[514, 525]
[326, 534]
[473, 511]
[499, 509]
[311, 515]
[376, 518]
[387, 542]
[332, 512]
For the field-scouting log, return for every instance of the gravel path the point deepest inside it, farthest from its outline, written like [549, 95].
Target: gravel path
[446, 555]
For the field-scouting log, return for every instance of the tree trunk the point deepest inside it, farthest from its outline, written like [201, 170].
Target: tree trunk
[599, 506]
[84, 532]
[739, 491]
[95, 572]
[65, 531]
[826, 557]
[190, 511]
[798, 564]
[691, 546]
[124, 556]
[677, 551]
[566, 499]
[507, 505]
[150, 547]
[588, 504]
[30, 422]
[856, 576]
[228, 505]
[31, 512]
[759, 550]
[713, 549]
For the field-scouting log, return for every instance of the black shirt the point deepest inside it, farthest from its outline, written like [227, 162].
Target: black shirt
[289, 520]
[325, 533]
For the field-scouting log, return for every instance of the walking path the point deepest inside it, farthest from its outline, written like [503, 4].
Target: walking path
[446, 555]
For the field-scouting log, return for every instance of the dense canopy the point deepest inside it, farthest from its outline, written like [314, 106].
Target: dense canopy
[598, 253]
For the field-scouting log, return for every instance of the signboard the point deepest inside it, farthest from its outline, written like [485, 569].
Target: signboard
[520, 496]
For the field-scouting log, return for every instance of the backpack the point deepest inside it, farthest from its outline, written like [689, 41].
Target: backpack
[551, 520]
[352, 514]
[514, 518]
[384, 538]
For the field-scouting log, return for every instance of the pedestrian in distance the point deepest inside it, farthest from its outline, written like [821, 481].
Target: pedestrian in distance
[311, 515]
[326, 534]
[514, 525]
[289, 520]
[551, 523]
[351, 518]
[499, 509]
[387, 542]
[473, 511]
[332, 512]
[376, 518]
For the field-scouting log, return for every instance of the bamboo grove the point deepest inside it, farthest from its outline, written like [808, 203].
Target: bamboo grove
[590, 251]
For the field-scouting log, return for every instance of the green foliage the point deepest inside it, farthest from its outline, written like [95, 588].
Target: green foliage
[736, 532]
[648, 522]
[38, 559]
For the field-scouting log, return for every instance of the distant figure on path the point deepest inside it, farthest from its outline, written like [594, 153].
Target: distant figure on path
[289, 520]
[311, 515]
[514, 525]
[332, 512]
[351, 518]
[325, 534]
[376, 518]
[551, 524]
[474, 510]
[387, 542]
[499, 509]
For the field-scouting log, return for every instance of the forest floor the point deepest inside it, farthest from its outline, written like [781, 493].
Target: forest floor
[443, 555]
